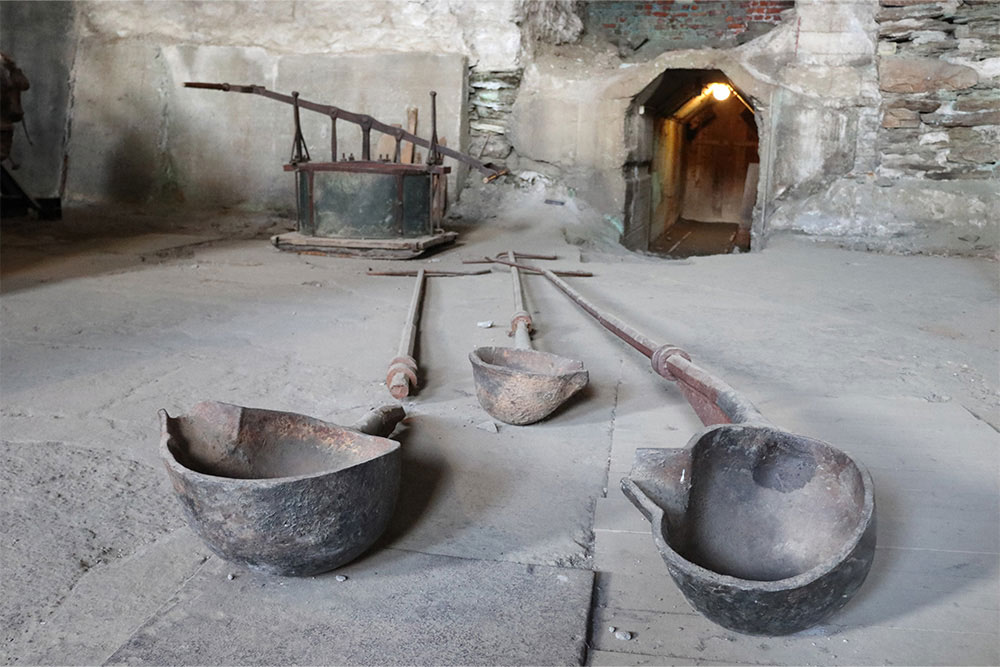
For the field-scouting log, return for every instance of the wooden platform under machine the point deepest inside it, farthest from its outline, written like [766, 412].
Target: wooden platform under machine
[399, 248]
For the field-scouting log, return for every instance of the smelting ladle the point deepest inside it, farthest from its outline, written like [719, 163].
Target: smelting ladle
[764, 531]
[280, 492]
[521, 385]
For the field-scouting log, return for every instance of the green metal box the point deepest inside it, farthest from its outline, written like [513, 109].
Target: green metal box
[366, 200]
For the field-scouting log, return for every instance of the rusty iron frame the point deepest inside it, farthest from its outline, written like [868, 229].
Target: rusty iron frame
[367, 124]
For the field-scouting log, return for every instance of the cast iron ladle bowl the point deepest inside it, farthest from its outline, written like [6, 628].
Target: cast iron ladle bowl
[521, 385]
[280, 492]
[765, 532]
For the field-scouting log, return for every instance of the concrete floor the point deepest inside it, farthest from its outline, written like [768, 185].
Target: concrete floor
[508, 547]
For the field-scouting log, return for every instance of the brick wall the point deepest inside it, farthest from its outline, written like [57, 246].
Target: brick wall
[671, 24]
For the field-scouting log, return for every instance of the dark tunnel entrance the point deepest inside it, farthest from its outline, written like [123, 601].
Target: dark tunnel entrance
[698, 187]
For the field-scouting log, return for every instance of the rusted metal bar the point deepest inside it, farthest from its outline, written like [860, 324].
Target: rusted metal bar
[520, 322]
[300, 152]
[403, 368]
[402, 372]
[713, 400]
[490, 172]
[432, 150]
[429, 274]
[333, 137]
[523, 255]
[529, 269]
[366, 138]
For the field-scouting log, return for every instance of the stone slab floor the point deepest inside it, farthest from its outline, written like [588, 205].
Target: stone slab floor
[507, 547]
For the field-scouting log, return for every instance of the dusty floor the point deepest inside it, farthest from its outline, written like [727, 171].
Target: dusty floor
[513, 547]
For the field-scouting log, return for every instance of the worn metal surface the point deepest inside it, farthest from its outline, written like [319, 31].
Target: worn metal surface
[764, 531]
[529, 269]
[524, 386]
[280, 492]
[520, 385]
[370, 200]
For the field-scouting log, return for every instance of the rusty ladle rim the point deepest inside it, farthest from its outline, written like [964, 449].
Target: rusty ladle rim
[261, 482]
[797, 581]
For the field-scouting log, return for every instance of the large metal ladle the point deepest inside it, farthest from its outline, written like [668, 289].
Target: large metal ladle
[764, 531]
[280, 492]
[521, 385]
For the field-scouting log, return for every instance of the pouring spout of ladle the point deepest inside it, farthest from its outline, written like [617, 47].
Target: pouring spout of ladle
[713, 400]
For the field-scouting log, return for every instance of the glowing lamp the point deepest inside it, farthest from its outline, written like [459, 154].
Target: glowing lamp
[719, 91]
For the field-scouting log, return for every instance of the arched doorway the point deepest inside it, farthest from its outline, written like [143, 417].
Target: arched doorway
[695, 192]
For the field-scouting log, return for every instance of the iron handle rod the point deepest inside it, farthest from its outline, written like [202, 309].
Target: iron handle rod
[351, 117]
[403, 368]
[713, 400]
[516, 283]
[528, 269]
[613, 324]
[428, 274]
[520, 321]
[408, 340]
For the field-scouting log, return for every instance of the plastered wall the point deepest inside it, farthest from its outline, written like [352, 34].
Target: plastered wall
[548, 99]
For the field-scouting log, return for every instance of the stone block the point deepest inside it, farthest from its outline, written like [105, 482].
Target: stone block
[959, 119]
[981, 153]
[908, 28]
[832, 17]
[899, 117]
[984, 100]
[905, 3]
[826, 81]
[921, 104]
[836, 43]
[917, 10]
[919, 75]
[967, 173]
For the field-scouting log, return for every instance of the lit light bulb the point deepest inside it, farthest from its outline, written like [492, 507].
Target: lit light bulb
[719, 91]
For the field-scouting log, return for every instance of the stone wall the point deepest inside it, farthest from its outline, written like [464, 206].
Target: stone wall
[877, 120]
[932, 184]
[491, 100]
[939, 73]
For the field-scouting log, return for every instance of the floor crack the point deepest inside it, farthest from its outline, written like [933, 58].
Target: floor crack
[595, 592]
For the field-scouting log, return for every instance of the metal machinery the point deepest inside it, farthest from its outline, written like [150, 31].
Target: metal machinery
[384, 208]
